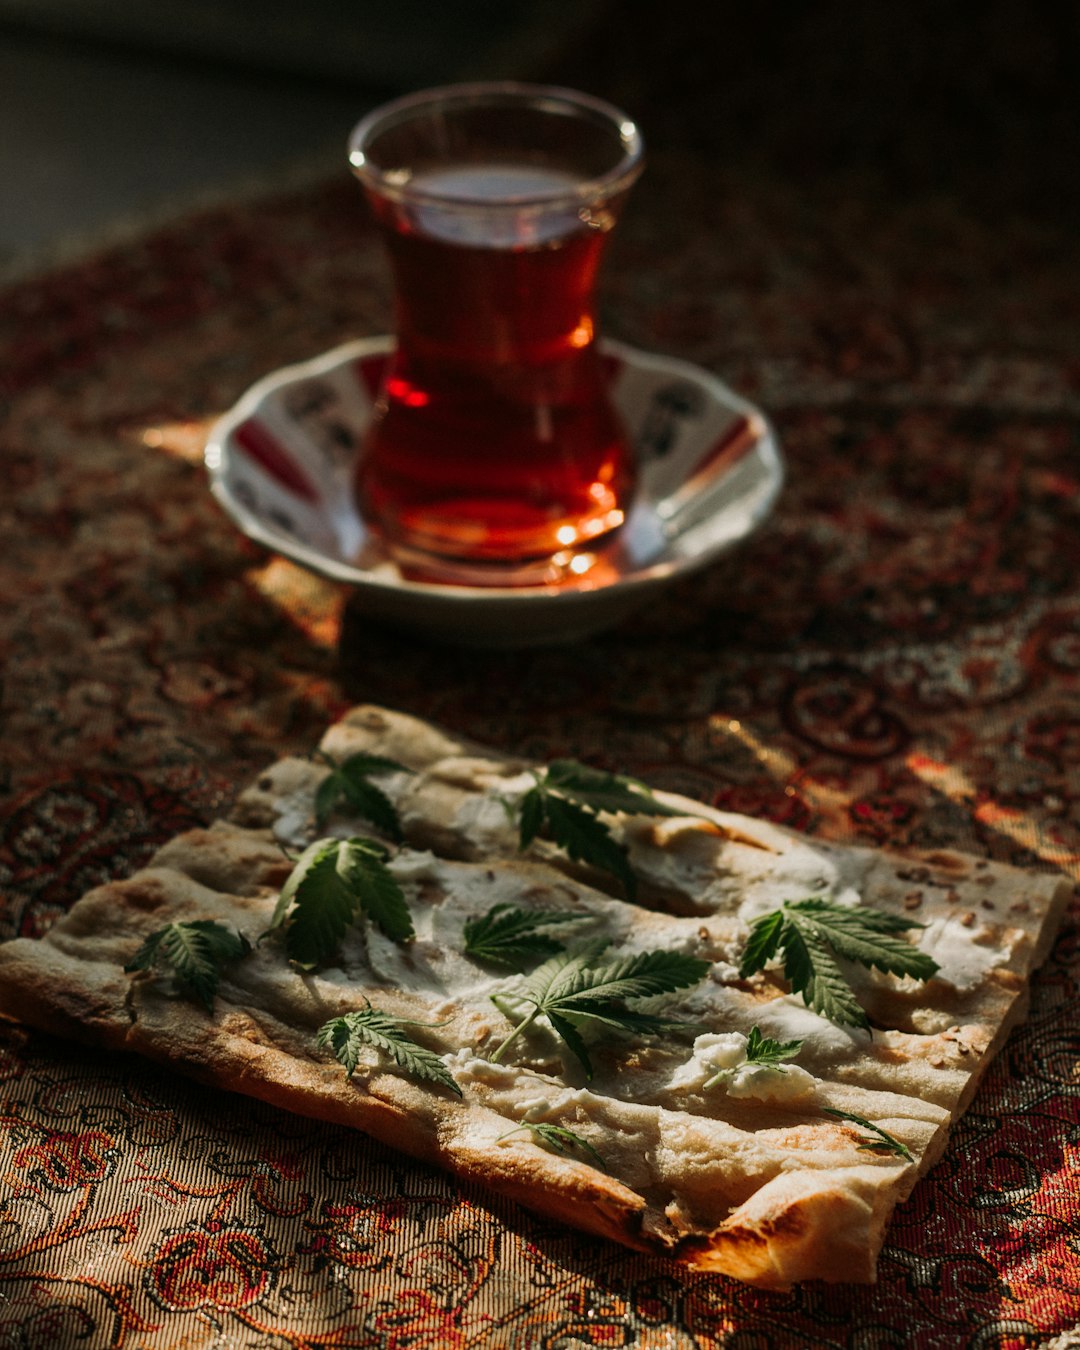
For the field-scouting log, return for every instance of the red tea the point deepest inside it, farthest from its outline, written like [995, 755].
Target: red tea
[495, 438]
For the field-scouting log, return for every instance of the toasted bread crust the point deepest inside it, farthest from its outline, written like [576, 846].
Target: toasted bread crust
[769, 1191]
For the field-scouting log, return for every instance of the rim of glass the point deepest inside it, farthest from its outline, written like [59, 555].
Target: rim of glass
[545, 97]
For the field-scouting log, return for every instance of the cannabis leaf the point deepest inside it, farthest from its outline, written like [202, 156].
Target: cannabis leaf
[761, 1050]
[196, 950]
[332, 880]
[348, 782]
[581, 833]
[347, 1035]
[565, 803]
[602, 791]
[558, 1138]
[884, 1143]
[813, 934]
[572, 987]
[510, 937]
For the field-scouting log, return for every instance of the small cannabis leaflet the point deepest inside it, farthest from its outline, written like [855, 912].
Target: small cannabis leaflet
[763, 1050]
[334, 880]
[513, 938]
[195, 951]
[370, 1028]
[347, 785]
[813, 934]
[760, 1050]
[883, 1142]
[565, 804]
[557, 1138]
[573, 987]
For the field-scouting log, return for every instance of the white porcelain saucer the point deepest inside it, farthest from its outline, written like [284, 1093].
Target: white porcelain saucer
[709, 472]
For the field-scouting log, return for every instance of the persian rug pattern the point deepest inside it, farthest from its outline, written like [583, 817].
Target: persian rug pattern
[893, 659]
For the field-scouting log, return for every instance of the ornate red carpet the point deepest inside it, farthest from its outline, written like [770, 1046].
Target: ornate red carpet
[894, 658]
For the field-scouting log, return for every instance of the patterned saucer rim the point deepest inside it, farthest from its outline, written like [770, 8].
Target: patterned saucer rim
[670, 527]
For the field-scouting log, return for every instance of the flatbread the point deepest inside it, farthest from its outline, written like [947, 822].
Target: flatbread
[739, 1179]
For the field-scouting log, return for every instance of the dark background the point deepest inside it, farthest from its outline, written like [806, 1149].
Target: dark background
[119, 107]
[976, 99]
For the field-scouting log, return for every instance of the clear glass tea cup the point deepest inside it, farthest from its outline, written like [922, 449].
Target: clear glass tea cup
[494, 443]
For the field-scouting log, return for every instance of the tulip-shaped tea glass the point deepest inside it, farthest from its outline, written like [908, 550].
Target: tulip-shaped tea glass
[494, 443]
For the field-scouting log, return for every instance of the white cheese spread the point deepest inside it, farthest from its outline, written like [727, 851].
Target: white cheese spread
[964, 961]
[719, 1059]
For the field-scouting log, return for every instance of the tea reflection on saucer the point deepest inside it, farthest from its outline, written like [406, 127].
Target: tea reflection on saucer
[709, 472]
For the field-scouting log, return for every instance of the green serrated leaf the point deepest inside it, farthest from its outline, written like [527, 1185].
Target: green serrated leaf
[565, 804]
[858, 917]
[643, 975]
[883, 1142]
[864, 935]
[763, 1050]
[327, 795]
[348, 1035]
[511, 938]
[532, 816]
[333, 880]
[572, 987]
[301, 867]
[325, 906]
[572, 1038]
[558, 1138]
[760, 1050]
[381, 897]
[811, 970]
[585, 838]
[544, 982]
[195, 950]
[362, 764]
[814, 934]
[762, 944]
[348, 783]
[374, 805]
[600, 791]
